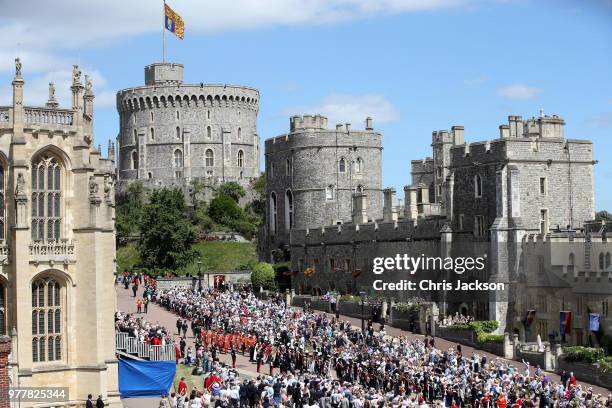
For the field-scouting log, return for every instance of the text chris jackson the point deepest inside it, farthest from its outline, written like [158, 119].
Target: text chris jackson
[411, 265]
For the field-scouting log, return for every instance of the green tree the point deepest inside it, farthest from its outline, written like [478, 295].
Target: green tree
[225, 210]
[129, 205]
[263, 276]
[231, 189]
[603, 215]
[260, 183]
[166, 233]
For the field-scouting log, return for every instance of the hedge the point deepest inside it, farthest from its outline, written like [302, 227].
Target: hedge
[481, 329]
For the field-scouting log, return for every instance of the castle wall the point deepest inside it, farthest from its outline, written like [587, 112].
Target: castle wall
[306, 163]
[158, 119]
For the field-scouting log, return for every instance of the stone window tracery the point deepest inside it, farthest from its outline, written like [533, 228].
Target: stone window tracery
[240, 158]
[46, 199]
[47, 320]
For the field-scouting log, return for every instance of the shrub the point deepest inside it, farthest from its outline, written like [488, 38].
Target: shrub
[406, 307]
[231, 189]
[349, 298]
[605, 364]
[263, 276]
[481, 329]
[223, 210]
[584, 354]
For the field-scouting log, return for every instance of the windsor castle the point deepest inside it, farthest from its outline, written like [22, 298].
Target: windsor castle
[523, 201]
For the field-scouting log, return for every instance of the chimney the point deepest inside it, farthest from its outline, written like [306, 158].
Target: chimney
[369, 124]
[348, 127]
[410, 203]
[360, 208]
[389, 209]
[339, 127]
[458, 135]
[504, 131]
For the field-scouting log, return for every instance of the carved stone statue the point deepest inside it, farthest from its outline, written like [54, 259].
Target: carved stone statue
[93, 186]
[88, 84]
[51, 91]
[76, 75]
[19, 188]
[17, 67]
[108, 188]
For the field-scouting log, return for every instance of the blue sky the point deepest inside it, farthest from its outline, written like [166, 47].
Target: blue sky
[414, 66]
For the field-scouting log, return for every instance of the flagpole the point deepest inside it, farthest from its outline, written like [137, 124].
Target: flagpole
[164, 35]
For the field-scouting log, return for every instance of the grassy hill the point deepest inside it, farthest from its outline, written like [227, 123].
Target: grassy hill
[215, 256]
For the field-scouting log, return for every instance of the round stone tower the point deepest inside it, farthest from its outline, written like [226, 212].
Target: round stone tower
[313, 172]
[172, 133]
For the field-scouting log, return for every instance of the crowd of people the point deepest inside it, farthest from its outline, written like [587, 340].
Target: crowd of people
[456, 319]
[309, 359]
[143, 330]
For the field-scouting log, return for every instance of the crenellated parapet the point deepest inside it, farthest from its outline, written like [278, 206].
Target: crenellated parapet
[172, 132]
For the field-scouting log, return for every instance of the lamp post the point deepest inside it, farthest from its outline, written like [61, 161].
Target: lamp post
[199, 276]
[362, 296]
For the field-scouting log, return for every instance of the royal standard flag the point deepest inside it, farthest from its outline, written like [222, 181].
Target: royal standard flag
[173, 22]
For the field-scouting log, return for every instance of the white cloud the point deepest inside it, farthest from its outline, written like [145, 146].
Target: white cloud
[36, 29]
[519, 91]
[476, 81]
[36, 89]
[603, 120]
[350, 109]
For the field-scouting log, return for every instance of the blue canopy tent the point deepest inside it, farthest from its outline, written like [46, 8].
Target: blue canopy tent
[145, 378]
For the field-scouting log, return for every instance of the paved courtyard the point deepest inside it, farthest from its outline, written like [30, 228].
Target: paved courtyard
[127, 303]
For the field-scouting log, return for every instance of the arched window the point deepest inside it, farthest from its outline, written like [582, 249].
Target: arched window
[329, 193]
[342, 165]
[46, 199]
[152, 134]
[358, 165]
[208, 132]
[209, 158]
[135, 137]
[47, 320]
[601, 261]
[288, 167]
[178, 116]
[240, 158]
[608, 260]
[288, 210]
[273, 213]
[477, 186]
[2, 309]
[178, 132]
[239, 133]
[571, 259]
[151, 116]
[134, 160]
[271, 170]
[178, 158]
[1, 203]
[178, 163]
[208, 114]
[150, 175]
